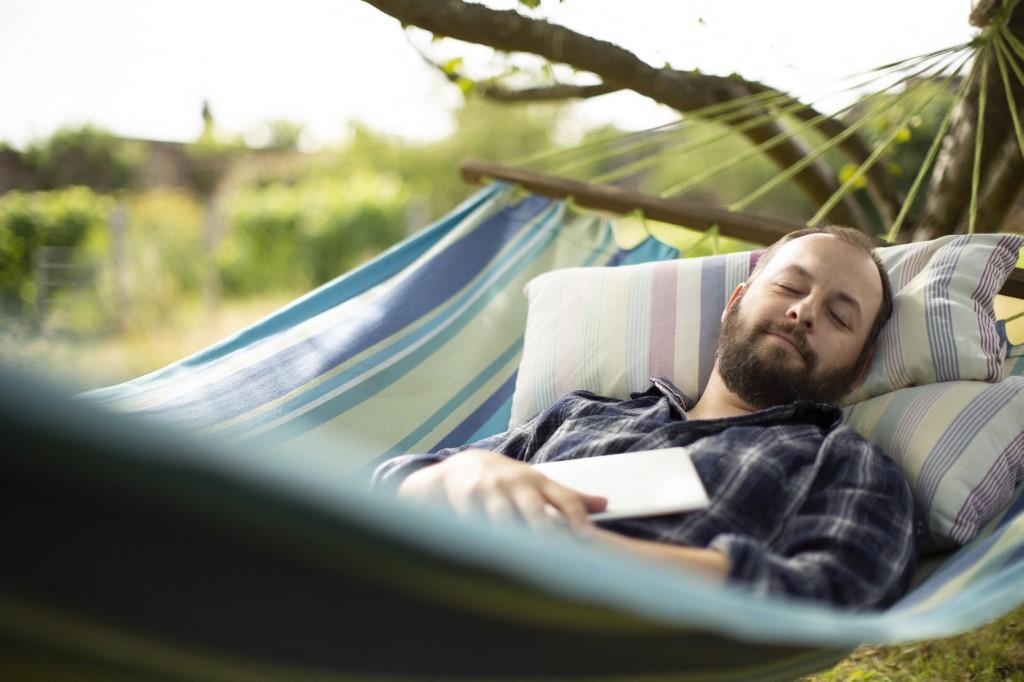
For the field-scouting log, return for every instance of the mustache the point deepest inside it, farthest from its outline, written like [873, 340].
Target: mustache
[794, 333]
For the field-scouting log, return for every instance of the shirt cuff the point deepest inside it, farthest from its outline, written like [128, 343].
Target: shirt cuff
[744, 556]
[389, 475]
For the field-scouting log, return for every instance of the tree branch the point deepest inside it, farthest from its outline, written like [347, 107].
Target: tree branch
[498, 93]
[509, 31]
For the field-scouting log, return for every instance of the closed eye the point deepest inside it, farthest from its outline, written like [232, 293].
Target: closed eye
[838, 320]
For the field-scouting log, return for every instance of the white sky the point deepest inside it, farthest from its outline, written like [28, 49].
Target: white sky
[143, 68]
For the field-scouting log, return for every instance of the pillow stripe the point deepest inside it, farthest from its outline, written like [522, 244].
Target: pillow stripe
[638, 331]
[1001, 260]
[892, 351]
[908, 422]
[663, 320]
[712, 298]
[959, 435]
[688, 345]
[990, 495]
[938, 312]
[590, 366]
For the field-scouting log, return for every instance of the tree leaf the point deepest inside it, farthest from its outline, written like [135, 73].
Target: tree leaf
[452, 65]
[847, 172]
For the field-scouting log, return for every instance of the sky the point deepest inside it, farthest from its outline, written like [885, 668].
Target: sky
[143, 69]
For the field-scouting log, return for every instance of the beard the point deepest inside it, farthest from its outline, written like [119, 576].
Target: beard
[764, 374]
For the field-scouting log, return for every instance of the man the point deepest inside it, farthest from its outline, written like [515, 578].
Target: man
[800, 504]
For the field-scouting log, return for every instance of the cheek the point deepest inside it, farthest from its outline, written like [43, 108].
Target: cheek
[840, 350]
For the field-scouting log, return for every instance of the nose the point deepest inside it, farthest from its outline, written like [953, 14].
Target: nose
[802, 313]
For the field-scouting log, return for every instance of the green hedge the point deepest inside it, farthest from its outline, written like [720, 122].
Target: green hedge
[289, 237]
[67, 217]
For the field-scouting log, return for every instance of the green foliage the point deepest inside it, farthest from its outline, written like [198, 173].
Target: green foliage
[906, 155]
[284, 135]
[28, 221]
[85, 156]
[296, 236]
[164, 258]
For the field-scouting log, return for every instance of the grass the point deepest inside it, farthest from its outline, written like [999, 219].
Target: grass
[994, 652]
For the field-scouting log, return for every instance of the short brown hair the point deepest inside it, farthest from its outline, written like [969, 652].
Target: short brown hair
[865, 244]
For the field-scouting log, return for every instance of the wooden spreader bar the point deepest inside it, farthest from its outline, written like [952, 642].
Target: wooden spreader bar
[694, 215]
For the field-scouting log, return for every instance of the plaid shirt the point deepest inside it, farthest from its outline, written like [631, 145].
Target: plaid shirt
[801, 504]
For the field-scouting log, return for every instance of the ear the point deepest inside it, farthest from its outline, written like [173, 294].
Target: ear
[735, 296]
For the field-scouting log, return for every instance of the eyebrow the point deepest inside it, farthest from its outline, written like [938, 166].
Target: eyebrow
[840, 296]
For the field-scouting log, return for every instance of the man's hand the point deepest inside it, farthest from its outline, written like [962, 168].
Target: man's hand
[478, 481]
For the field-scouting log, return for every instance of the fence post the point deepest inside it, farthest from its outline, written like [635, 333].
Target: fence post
[118, 223]
[212, 226]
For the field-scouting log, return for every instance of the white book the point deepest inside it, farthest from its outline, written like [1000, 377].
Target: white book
[644, 483]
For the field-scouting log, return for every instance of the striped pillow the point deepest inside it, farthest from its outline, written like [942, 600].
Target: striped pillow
[960, 445]
[608, 330]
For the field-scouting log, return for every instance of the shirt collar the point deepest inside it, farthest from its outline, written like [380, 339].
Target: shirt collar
[823, 414]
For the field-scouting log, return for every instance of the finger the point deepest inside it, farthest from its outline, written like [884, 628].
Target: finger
[568, 502]
[594, 503]
[531, 505]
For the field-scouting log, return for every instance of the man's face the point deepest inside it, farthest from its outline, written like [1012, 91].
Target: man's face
[795, 331]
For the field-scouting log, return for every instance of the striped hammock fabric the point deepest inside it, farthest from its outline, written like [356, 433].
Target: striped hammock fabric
[223, 530]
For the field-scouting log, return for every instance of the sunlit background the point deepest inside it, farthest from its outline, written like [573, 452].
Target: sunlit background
[172, 171]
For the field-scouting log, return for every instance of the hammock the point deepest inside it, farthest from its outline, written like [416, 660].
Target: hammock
[223, 531]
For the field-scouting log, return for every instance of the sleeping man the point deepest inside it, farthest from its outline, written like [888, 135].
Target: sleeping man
[799, 503]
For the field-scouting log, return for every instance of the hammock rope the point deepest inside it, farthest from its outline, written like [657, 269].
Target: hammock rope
[793, 107]
[814, 155]
[978, 141]
[879, 150]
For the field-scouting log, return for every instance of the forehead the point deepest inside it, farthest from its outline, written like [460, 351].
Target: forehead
[831, 263]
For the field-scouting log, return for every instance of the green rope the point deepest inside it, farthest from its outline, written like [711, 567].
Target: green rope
[618, 136]
[872, 159]
[1012, 41]
[1013, 317]
[712, 137]
[749, 101]
[978, 140]
[929, 159]
[674, 137]
[1001, 61]
[817, 152]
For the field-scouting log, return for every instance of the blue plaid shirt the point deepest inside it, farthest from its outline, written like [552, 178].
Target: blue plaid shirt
[801, 504]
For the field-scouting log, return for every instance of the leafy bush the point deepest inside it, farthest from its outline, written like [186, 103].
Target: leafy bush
[295, 236]
[28, 221]
[86, 156]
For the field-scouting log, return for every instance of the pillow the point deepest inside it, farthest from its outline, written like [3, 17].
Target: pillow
[608, 330]
[960, 444]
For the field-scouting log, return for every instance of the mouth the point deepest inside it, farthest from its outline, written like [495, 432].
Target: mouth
[790, 343]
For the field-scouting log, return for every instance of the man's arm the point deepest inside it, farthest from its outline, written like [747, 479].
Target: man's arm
[710, 562]
[851, 543]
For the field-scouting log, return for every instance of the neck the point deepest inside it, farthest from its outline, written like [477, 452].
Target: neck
[718, 401]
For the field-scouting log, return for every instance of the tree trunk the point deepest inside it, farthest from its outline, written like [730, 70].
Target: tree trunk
[949, 192]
